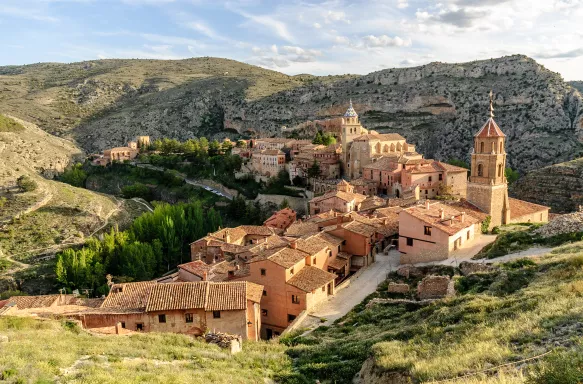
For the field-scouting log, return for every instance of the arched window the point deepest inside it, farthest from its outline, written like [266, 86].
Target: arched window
[378, 148]
[499, 170]
[386, 148]
[493, 147]
[482, 147]
[480, 169]
[501, 147]
[398, 147]
[393, 147]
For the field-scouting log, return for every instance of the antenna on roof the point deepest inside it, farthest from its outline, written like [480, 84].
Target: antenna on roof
[491, 104]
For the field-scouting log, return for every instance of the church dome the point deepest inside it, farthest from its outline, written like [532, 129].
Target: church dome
[350, 112]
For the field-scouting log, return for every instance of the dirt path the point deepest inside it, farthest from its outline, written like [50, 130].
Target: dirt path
[344, 300]
[144, 203]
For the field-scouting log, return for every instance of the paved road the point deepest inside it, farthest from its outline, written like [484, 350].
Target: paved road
[343, 301]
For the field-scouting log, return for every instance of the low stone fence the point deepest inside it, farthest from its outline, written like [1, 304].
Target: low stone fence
[296, 323]
[234, 343]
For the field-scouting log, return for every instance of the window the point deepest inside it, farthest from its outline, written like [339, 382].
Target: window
[499, 170]
[216, 314]
[329, 253]
[409, 241]
[290, 318]
[480, 170]
[262, 271]
[427, 230]
[295, 299]
[440, 177]
[430, 179]
[264, 312]
[264, 292]
[291, 271]
[426, 191]
[468, 235]
[188, 318]
[123, 324]
[482, 147]
[315, 260]
[139, 327]
[161, 318]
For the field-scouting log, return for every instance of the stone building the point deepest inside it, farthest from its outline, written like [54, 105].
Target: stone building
[327, 158]
[343, 199]
[188, 307]
[122, 154]
[268, 162]
[360, 146]
[281, 219]
[434, 231]
[488, 187]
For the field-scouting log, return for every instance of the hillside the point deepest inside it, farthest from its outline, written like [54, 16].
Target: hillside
[517, 311]
[53, 215]
[437, 106]
[51, 351]
[559, 186]
[577, 84]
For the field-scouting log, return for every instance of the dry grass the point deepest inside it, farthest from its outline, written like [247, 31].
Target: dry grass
[48, 351]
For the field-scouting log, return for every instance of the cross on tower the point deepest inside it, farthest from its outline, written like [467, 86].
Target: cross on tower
[491, 104]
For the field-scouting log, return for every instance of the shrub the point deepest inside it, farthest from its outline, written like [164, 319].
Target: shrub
[26, 184]
[3, 201]
[9, 125]
[74, 176]
[137, 190]
[486, 224]
[558, 368]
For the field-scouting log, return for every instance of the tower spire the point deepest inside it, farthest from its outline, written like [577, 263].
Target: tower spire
[491, 104]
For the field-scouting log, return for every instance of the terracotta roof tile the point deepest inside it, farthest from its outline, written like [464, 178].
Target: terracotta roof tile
[285, 257]
[490, 129]
[346, 196]
[310, 278]
[520, 208]
[27, 302]
[129, 295]
[432, 216]
[198, 268]
[301, 229]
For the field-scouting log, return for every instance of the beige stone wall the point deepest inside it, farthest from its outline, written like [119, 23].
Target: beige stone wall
[233, 322]
[491, 199]
[541, 216]
[458, 181]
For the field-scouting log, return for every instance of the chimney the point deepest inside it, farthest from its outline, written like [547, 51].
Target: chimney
[463, 217]
[237, 267]
[451, 220]
[426, 204]
[204, 276]
[441, 213]
[293, 244]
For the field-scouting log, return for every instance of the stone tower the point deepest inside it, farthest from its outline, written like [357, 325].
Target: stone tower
[487, 188]
[351, 128]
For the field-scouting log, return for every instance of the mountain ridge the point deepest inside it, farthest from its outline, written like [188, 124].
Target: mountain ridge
[437, 106]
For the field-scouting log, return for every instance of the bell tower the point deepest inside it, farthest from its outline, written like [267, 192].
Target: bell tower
[487, 188]
[351, 128]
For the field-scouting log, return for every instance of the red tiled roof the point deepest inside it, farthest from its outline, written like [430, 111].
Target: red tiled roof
[520, 208]
[310, 278]
[26, 302]
[432, 216]
[285, 257]
[129, 295]
[301, 229]
[346, 196]
[490, 129]
[198, 268]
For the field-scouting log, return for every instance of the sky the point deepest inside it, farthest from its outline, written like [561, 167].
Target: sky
[296, 36]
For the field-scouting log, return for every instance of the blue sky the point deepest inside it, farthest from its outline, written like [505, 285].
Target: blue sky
[296, 36]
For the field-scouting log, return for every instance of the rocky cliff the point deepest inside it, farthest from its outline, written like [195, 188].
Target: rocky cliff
[436, 106]
[559, 186]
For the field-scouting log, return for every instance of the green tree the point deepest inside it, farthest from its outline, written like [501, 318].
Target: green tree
[314, 170]
[328, 139]
[318, 138]
[511, 175]
[75, 176]
[458, 163]
[284, 204]
[26, 184]
[214, 148]
[137, 190]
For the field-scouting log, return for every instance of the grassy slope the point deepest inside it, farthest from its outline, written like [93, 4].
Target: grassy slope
[515, 313]
[49, 351]
[69, 215]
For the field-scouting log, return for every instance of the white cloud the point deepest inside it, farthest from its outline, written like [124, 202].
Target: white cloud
[27, 13]
[401, 4]
[317, 25]
[335, 16]
[385, 41]
[274, 48]
[276, 26]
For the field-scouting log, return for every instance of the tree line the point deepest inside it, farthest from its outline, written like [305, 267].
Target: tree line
[155, 243]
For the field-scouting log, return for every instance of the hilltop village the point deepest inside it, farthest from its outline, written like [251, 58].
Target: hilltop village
[372, 192]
